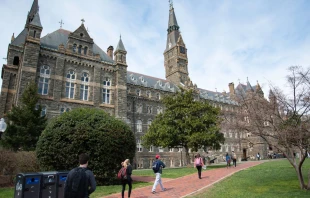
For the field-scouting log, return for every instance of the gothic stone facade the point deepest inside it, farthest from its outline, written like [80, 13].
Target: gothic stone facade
[72, 71]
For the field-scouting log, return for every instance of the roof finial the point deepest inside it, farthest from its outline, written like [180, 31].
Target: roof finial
[247, 79]
[61, 23]
[12, 38]
[120, 36]
[82, 21]
[239, 80]
[171, 4]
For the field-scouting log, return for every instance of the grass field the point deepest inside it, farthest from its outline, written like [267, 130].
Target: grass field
[269, 180]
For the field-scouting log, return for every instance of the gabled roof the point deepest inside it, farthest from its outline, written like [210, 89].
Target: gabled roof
[60, 36]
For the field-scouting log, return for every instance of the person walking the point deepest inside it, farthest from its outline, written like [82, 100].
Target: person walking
[158, 165]
[198, 164]
[258, 156]
[127, 179]
[228, 160]
[234, 158]
[80, 181]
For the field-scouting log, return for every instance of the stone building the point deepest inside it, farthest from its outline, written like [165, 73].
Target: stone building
[72, 71]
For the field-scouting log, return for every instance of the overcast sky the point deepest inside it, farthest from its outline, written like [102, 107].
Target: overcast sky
[226, 40]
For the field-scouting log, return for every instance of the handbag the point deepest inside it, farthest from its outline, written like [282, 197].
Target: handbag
[204, 167]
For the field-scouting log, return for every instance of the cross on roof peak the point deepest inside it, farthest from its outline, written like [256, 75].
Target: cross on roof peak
[82, 21]
[61, 23]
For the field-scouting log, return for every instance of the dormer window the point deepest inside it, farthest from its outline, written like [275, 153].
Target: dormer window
[133, 78]
[160, 84]
[142, 79]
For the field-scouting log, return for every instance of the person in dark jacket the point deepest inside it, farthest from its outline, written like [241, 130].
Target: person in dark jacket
[85, 187]
[127, 180]
[158, 175]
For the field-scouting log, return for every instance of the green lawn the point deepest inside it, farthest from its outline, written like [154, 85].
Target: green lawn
[269, 180]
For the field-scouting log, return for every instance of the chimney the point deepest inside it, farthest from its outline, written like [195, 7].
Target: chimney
[231, 88]
[110, 51]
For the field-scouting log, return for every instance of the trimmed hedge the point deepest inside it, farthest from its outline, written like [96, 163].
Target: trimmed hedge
[107, 140]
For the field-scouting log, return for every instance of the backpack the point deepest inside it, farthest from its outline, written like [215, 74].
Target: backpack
[77, 186]
[156, 166]
[198, 161]
[122, 173]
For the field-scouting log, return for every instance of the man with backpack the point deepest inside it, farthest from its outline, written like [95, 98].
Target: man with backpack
[80, 181]
[158, 165]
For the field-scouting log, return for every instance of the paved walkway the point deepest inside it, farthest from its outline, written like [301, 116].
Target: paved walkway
[184, 186]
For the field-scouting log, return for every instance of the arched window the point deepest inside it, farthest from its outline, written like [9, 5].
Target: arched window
[139, 146]
[106, 91]
[138, 92]
[74, 48]
[148, 94]
[44, 80]
[139, 126]
[34, 34]
[80, 49]
[85, 50]
[149, 109]
[70, 81]
[159, 110]
[84, 86]
[16, 60]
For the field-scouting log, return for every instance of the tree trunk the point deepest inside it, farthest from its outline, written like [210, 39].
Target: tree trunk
[300, 178]
[308, 187]
[188, 161]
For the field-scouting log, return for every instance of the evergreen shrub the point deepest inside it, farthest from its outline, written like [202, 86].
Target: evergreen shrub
[107, 140]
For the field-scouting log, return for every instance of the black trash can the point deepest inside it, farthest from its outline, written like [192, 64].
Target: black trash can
[61, 180]
[28, 185]
[49, 185]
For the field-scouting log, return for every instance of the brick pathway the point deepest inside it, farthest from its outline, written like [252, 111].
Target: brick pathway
[184, 186]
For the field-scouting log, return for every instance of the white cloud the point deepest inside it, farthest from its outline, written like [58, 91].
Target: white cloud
[226, 40]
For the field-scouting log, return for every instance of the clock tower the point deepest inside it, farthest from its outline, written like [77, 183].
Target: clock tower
[175, 55]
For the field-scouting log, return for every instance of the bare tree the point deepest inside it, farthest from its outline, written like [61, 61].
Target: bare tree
[283, 121]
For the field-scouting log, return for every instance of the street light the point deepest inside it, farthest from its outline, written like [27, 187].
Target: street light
[2, 126]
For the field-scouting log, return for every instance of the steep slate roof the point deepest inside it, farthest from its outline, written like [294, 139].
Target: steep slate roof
[60, 36]
[20, 39]
[215, 96]
[161, 84]
[149, 81]
[36, 20]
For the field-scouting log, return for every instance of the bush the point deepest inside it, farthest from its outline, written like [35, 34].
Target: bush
[12, 163]
[107, 140]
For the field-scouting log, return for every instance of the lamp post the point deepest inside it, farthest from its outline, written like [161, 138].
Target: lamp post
[2, 126]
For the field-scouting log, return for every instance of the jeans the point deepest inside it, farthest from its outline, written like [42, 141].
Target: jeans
[158, 180]
[199, 171]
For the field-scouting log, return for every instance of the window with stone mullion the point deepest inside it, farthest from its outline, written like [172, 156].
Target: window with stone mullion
[70, 84]
[106, 92]
[44, 80]
[84, 87]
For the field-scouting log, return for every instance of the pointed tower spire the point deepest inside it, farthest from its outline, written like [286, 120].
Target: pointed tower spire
[120, 52]
[173, 29]
[248, 86]
[120, 45]
[36, 20]
[33, 11]
[259, 90]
